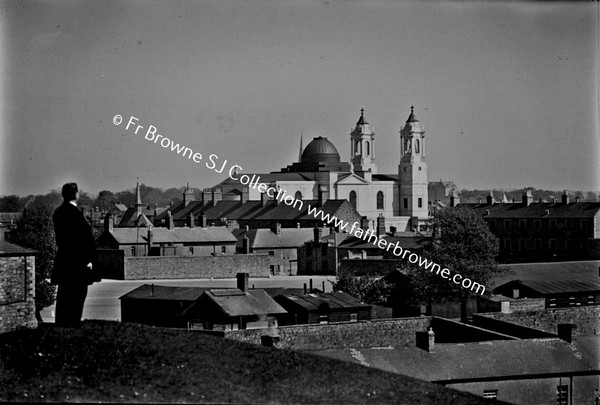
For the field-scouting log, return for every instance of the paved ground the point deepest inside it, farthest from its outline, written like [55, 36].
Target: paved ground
[103, 298]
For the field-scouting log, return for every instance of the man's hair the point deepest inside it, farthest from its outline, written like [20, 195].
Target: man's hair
[69, 191]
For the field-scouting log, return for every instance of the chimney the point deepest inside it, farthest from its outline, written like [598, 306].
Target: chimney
[310, 285]
[217, 195]
[479, 200]
[305, 291]
[206, 195]
[323, 194]
[426, 340]
[191, 220]
[490, 198]
[565, 331]
[232, 224]
[276, 228]
[565, 197]
[203, 221]
[454, 199]
[188, 195]
[170, 221]
[245, 245]
[380, 225]
[318, 233]
[364, 223]
[393, 230]
[576, 199]
[264, 199]
[245, 195]
[242, 281]
[150, 240]
[152, 290]
[108, 222]
[527, 198]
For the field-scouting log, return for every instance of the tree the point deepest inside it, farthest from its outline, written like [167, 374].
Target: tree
[35, 231]
[11, 203]
[366, 288]
[462, 243]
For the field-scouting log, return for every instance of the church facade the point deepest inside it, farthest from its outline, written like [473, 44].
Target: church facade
[320, 174]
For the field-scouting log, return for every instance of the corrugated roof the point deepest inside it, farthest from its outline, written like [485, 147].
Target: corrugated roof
[175, 235]
[312, 301]
[234, 302]
[549, 287]
[535, 210]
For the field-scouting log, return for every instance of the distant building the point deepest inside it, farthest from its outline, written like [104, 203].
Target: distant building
[440, 192]
[541, 231]
[17, 286]
[557, 294]
[138, 215]
[319, 307]
[281, 244]
[159, 241]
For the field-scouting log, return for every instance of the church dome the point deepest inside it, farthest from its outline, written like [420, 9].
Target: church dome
[320, 150]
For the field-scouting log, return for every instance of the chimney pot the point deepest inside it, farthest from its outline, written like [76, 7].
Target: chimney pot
[242, 281]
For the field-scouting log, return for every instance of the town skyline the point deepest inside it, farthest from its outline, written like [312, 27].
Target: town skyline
[507, 91]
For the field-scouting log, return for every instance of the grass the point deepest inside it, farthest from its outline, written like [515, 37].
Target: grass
[115, 362]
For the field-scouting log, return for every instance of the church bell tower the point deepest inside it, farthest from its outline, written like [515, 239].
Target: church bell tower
[412, 170]
[362, 147]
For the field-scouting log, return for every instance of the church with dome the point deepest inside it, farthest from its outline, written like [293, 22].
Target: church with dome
[321, 174]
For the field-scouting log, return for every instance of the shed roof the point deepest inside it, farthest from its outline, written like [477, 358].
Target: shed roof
[234, 302]
[551, 287]
[212, 234]
[10, 249]
[312, 301]
[161, 292]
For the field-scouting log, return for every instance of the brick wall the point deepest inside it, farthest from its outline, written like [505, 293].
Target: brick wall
[587, 319]
[17, 292]
[392, 332]
[226, 266]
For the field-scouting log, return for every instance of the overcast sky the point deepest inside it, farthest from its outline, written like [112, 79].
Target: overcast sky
[507, 91]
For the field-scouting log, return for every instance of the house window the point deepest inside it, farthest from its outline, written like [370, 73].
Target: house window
[404, 169]
[490, 394]
[406, 203]
[562, 395]
[537, 224]
[367, 148]
[354, 317]
[553, 224]
[223, 249]
[379, 200]
[419, 168]
[298, 195]
[272, 268]
[133, 251]
[191, 250]
[538, 244]
[507, 224]
[507, 244]
[522, 224]
[420, 203]
[271, 253]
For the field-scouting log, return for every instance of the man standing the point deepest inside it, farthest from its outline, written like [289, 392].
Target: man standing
[75, 259]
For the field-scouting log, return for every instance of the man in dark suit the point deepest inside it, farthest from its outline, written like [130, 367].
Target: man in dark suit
[75, 259]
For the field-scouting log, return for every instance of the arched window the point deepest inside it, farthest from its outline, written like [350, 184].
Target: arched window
[298, 195]
[416, 146]
[407, 150]
[367, 148]
[353, 198]
[380, 200]
[357, 150]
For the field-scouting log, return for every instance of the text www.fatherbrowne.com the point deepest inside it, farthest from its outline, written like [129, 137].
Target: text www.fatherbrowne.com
[151, 134]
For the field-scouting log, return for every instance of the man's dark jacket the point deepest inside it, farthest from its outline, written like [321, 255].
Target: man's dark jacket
[76, 247]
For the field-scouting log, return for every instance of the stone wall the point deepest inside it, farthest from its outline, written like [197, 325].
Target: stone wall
[587, 319]
[380, 333]
[17, 292]
[172, 267]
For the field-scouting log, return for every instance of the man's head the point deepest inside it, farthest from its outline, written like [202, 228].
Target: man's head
[69, 191]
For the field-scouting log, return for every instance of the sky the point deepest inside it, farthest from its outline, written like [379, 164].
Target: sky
[507, 91]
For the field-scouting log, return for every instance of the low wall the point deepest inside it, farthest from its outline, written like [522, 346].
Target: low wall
[17, 293]
[380, 333]
[225, 266]
[111, 263]
[508, 328]
[587, 319]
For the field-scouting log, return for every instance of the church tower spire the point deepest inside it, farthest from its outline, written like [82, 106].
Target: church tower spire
[362, 147]
[138, 199]
[412, 170]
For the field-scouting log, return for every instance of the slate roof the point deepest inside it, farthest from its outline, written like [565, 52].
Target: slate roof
[384, 177]
[266, 178]
[406, 242]
[10, 249]
[551, 287]
[126, 236]
[234, 302]
[248, 210]
[266, 238]
[162, 292]
[557, 271]
[335, 300]
[535, 210]
[502, 358]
